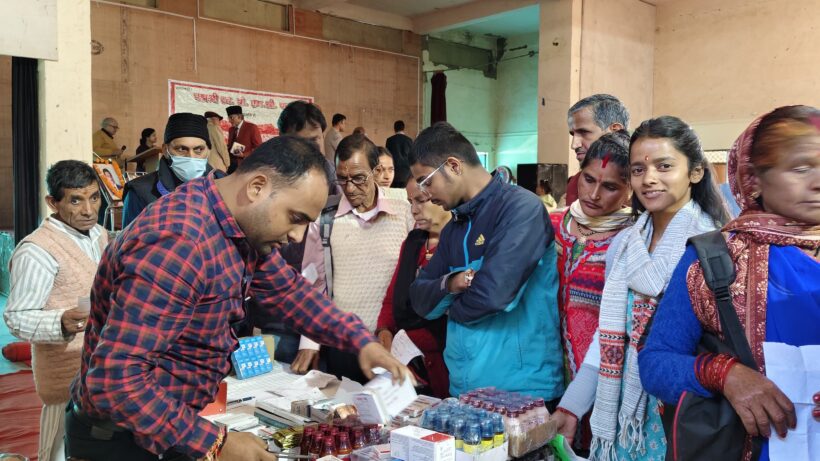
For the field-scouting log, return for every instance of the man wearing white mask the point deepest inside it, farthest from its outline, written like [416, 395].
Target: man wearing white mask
[185, 156]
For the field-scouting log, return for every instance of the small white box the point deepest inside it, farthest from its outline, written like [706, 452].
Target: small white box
[411, 443]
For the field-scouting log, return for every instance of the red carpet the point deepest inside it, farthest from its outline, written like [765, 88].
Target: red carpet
[19, 414]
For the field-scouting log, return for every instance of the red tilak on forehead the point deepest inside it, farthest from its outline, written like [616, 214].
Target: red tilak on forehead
[605, 160]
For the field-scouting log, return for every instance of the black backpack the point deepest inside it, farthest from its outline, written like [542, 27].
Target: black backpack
[699, 428]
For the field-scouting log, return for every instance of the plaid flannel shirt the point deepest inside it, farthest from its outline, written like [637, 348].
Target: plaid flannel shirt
[166, 292]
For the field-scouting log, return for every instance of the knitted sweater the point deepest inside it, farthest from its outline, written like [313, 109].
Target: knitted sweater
[364, 257]
[56, 364]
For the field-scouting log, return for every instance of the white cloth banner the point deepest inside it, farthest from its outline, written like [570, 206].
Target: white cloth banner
[259, 107]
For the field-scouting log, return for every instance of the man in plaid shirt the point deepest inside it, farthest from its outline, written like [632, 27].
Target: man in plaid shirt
[167, 291]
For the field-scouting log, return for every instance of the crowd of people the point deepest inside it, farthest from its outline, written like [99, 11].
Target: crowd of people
[603, 308]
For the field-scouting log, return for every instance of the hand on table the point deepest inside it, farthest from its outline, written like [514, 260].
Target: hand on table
[306, 360]
[567, 424]
[244, 446]
[758, 402]
[374, 355]
[73, 321]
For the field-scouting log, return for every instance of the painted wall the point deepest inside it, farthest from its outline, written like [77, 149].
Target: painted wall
[141, 50]
[718, 65]
[470, 104]
[517, 104]
[617, 54]
[31, 30]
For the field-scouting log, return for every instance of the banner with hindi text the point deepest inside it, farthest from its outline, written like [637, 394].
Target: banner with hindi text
[259, 107]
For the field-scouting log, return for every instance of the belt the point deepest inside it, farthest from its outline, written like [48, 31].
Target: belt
[102, 429]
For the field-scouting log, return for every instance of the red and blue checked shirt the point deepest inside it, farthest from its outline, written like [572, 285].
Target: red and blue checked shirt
[166, 292]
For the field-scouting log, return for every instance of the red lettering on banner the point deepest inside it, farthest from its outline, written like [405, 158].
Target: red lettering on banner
[241, 101]
[282, 105]
[213, 97]
[270, 104]
[256, 103]
[226, 100]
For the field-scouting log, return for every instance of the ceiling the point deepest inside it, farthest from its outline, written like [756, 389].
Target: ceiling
[507, 24]
[407, 8]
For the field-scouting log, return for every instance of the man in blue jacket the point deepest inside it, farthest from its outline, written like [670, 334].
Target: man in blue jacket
[494, 273]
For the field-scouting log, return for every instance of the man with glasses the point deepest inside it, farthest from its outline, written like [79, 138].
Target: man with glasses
[493, 274]
[353, 249]
[185, 150]
[103, 143]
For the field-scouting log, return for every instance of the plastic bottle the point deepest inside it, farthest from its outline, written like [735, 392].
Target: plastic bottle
[487, 434]
[428, 419]
[459, 426]
[374, 435]
[443, 425]
[344, 447]
[329, 447]
[358, 438]
[541, 413]
[498, 430]
[316, 444]
[472, 439]
[307, 438]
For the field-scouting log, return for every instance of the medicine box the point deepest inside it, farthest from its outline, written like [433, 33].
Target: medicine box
[412, 443]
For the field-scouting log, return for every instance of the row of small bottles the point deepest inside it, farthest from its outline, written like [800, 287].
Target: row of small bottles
[328, 439]
[483, 419]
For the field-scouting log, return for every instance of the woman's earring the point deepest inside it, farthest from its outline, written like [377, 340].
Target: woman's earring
[756, 194]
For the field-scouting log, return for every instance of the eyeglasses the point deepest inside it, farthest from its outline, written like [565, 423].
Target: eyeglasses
[424, 182]
[357, 180]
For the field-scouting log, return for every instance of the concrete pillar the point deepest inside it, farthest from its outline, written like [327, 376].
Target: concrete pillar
[65, 91]
[559, 64]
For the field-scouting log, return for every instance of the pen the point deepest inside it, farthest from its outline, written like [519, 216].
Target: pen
[233, 402]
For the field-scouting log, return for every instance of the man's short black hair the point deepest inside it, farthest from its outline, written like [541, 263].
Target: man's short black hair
[358, 142]
[439, 141]
[337, 119]
[398, 125]
[68, 174]
[298, 114]
[285, 159]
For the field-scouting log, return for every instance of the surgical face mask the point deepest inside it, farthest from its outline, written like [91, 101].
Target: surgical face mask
[187, 168]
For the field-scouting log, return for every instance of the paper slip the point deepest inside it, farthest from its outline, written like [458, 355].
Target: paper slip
[307, 387]
[260, 386]
[403, 348]
[796, 371]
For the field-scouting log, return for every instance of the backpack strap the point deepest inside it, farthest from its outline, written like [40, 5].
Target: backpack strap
[325, 228]
[719, 274]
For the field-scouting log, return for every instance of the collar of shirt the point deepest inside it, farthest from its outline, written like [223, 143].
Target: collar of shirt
[238, 127]
[223, 216]
[382, 205]
[93, 233]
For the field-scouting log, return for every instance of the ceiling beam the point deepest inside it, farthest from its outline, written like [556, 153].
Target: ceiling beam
[315, 5]
[342, 9]
[465, 14]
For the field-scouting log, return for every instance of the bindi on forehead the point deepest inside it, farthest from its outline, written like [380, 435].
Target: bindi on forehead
[605, 160]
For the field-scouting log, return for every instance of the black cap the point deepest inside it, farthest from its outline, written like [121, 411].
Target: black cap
[233, 110]
[185, 124]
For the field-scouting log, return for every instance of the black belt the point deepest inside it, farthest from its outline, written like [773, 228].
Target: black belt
[102, 429]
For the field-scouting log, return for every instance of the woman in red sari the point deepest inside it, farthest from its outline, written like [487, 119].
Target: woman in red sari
[397, 314]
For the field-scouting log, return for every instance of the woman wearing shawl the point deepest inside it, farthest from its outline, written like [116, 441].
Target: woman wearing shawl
[397, 313]
[675, 198]
[774, 173]
[583, 234]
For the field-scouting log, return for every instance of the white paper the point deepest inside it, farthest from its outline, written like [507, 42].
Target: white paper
[403, 348]
[395, 397]
[237, 148]
[796, 371]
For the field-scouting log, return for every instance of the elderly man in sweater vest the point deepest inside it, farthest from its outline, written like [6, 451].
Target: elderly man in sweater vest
[51, 270]
[365, 240]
